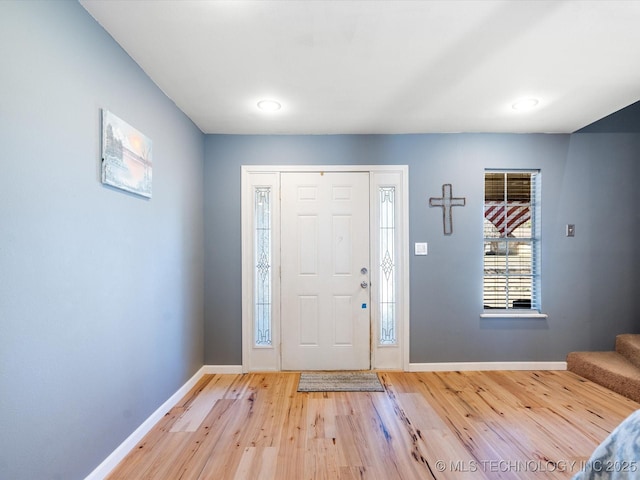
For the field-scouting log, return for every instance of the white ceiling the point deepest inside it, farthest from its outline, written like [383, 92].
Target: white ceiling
[384, 66]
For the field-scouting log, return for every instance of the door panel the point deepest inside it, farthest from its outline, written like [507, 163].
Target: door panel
[324, 245]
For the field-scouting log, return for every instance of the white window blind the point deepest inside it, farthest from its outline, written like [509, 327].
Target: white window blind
[512, 240]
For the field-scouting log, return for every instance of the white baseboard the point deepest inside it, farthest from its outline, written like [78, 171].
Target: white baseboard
[478, 366]
[132, 440]
[222, 369]
[130, 443]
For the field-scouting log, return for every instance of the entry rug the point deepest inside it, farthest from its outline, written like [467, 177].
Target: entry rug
[340, 382]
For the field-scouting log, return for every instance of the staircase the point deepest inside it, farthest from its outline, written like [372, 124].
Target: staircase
[618, 371]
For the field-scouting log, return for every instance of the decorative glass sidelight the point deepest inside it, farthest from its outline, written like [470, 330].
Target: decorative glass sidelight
[262, 274]
[387, 290]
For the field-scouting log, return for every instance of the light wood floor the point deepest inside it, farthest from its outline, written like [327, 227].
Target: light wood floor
[537, 424]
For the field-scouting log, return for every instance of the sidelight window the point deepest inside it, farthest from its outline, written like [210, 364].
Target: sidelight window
[262, 272]
[387, 265]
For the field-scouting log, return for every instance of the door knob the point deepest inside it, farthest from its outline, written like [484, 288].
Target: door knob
[364, 284]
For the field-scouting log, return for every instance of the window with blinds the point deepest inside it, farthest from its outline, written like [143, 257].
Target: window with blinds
[511, 240]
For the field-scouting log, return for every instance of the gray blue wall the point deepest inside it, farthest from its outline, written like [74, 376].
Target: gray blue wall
[626, 120]
[101, 292]
[590, 282]
[104, 301]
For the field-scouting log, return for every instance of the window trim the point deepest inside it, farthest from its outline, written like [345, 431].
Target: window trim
[512, 313]
[525, 314]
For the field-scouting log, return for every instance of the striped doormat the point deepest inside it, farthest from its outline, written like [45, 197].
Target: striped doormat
[340, 382]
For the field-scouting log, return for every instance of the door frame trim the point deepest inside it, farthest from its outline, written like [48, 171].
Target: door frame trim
[267, 358]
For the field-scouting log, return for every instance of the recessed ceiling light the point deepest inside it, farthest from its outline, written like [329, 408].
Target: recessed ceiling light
[269, 105]
[525, 104]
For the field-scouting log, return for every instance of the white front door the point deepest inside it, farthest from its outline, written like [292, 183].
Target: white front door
[325, 271]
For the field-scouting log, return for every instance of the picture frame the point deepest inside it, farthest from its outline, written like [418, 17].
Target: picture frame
[126, 156]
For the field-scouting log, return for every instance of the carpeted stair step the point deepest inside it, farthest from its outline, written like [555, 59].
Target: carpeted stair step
[628, 345]
[609, 369]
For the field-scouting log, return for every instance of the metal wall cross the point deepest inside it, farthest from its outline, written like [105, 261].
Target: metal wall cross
[446, 202]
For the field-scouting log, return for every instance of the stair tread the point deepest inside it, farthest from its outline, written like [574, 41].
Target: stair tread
[628, 345]
[608, 360]
[635, 337]
[609, 369]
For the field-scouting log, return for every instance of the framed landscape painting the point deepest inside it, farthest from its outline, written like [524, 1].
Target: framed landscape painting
[126, 156]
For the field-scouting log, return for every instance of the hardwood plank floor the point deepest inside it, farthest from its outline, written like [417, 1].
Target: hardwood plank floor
[436, 425]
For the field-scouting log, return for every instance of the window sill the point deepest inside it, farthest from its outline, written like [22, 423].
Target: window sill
[513, 314]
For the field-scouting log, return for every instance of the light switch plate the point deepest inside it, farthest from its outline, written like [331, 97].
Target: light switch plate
[571, 230]
[420, 248]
